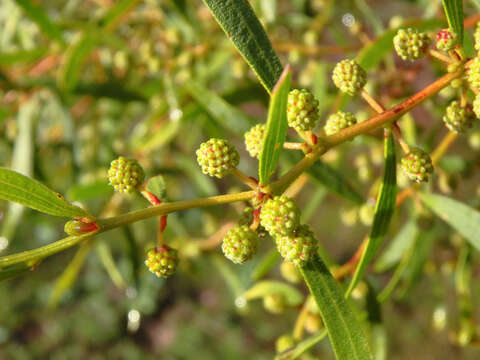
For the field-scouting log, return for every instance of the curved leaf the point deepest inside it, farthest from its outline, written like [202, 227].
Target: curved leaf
[18, 188]
[302, 347]
[276, 130]
[237, 19]
[293, 297]
[383, 212]
[461, 217]
[346, 335]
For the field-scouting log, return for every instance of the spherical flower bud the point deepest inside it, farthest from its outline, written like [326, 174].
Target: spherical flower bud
[162, 261]
[410, 44]
[302, 110]
[254, 140]
[280, 216]
[299, 247]
[125, 175]
[339, 121]
[217, 157]
[446, 40]
[473, 73]
[459, 119]
[366, 213]
[290, 272]
[240, 244]
[417, 165]
[274, 303]
[349, 77]
[284, 343]
[313, 323]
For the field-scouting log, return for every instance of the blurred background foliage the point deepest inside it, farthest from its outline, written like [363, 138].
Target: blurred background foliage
[82, 82]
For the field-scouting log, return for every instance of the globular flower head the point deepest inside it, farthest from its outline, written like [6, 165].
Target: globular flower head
[476, 106]
[125, 175]
[217, 157]
[275, 303]
[339, 121]
[473, 73]
[240, 244]
[280, 216]
[298, 247]
[349, 77]
[476, 35]
[417, 165]
[446, 40]
[254, 140]
[302, 110]
[411, 44]
[457, 118]
[162, 261]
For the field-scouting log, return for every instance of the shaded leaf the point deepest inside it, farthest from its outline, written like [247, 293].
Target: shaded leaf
[116, 12]
[331, 178]
[38, 15]
[383, 212]
[397, 247]
[276, 129]
[156, 185]
[66, 280]
[461, 217]
[346, 335]
[14, 271]
[237, 19]
[18, 188]
[225, 114]
[21, 56]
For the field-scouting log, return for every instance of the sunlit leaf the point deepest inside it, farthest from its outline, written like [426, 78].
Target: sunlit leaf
[276, 130]
[383, 212]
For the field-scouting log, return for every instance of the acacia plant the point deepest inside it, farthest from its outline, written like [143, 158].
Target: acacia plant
[305, 136]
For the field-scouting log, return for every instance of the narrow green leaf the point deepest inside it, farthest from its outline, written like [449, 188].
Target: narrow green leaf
[224, 114]
[346, 336]
[69, 275]
[276, 130]
[331, 178]
[383, 212]
[268, 261]
[116, 12]
[18, 188]
[371, 55]
[22, 56]
[156, 185]
[461, 217]
[75, 56]
[302, 347]
[105, 254]
[397, 247]
[237, 19]
[293, 297]
[37, 14]
[454, 12]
